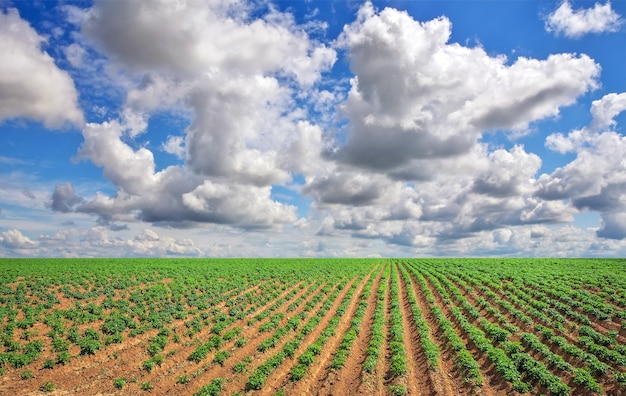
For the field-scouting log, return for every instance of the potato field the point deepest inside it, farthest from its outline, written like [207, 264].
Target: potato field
[313, 326]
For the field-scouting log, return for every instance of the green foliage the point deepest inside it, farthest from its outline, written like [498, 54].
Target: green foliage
[89, 346]
[49, 364]
[214, 388]
[220, 357]
[63, 358]
[398, 390]
[47, 387]
[146, 386]
[119, 383]
[541, 323]
[298, 372]
[239, 367]
[256, 381]
[182, 379]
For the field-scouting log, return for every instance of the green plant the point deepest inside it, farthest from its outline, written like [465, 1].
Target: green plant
[49, 364]
[256, 381]
[119, 382]
[214, 388]
[47, 387]
[297, 372]
[239, 367]
[182, 379]
[146, 386]
[89, 346]
[26, 374]
[63, 357]
[148, 365]
[220, 357]
[398, 390]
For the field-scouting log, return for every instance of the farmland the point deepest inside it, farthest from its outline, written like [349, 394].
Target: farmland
[313, 326]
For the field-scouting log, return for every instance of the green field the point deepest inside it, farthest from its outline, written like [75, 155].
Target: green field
[313, 326]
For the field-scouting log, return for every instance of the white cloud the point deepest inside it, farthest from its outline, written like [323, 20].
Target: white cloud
[174, 195]
[64, 198]
[196, 37]
[596, 178]
[175, 145]
[509, 174]
[95, 242]
[576, 23]
[408, 171]
[412, 171]
[245, 130]
[131, 170]
[14, 239]
[347, 188]
[242, 205]
[613, 226]
[75, 54]
[416, 96]
[31, 84]
[606, 109]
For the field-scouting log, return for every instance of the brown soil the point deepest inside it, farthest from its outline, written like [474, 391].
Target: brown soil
[87, 375]
[445, 379]
[347, 380]
[318, 371]
[94, 375]
[493, 384]
[419, 381]
[250, 350]
[610, 387]
[374, 383]
[279, 378]
[164, 378]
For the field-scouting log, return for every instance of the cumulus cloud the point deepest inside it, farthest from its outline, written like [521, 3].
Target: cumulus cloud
[417, 96]
[14, 239]
[130, 170]
[199, 36]
[346, 188]
[31, 84]
[246, 130]
[96, 242]
[596, 178]
[412, 170]
[613, 227]
[244, 205]
[149, 243]
[606, 109]
[174, 195]
[407, 166]
[509, 173]
[64, 198]
[174, 145]
[577, 23]
[241, 102]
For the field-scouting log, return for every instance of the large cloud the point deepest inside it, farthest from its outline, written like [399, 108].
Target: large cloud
[596, 178]
[14, 239]
[416, 96]
[31, 84]
[234, 70]
[412, 170]
[192, 37]
[408, 168]
[174, 195]
[576, 23]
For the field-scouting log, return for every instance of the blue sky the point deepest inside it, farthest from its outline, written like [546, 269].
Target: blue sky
[312, 128]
